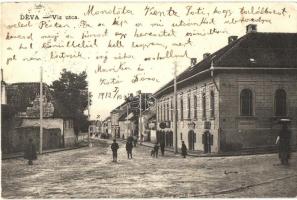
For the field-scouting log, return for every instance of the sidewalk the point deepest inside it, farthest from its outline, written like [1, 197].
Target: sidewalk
[21, 154]
[251, 151]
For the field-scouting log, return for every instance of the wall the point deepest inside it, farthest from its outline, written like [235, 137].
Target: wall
[69, 135]
[261, 129]
[66, 127]
[114, 123]
[127, 129]
[195, 88]
[52, 138]
[46, 123]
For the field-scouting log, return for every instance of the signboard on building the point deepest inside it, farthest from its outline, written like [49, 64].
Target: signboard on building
[163, 125]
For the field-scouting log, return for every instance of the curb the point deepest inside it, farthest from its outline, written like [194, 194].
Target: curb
[44, 153]
[231, 154]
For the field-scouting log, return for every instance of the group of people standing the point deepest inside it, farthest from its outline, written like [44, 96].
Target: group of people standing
[154, 152]
[114, 148]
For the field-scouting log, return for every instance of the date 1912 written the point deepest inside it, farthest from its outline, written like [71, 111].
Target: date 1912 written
[111, 95]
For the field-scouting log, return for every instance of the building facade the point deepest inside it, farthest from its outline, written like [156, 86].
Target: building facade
[234, 98]
[21, 121]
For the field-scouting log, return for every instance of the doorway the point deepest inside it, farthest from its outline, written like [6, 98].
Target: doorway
[207, 140]
[191, 139]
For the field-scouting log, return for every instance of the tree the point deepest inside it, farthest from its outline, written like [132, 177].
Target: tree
[71, 98]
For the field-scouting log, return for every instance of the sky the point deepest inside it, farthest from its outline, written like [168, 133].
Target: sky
[96, 35]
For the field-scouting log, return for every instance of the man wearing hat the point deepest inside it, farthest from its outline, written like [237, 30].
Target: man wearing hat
[283, 140]
[114, 148]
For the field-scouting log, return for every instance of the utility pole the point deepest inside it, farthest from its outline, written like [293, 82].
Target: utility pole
[41, 112]
[140, 117]
[174, 112]
[89, 118]
[127, 121]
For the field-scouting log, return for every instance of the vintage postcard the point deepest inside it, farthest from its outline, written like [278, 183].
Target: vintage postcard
[148, 99]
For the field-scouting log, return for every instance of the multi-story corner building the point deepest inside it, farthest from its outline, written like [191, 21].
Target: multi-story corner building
[234, 98]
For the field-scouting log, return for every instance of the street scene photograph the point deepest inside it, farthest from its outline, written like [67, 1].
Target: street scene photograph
[148, 100]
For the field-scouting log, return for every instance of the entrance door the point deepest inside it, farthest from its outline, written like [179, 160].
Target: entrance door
[207, 140]
[191, 139]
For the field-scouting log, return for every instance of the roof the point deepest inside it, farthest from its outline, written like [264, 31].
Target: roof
[253, 50]
[21, 95]
[131, 116]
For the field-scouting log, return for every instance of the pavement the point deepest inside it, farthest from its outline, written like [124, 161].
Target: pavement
[21, 154]
[90, 173]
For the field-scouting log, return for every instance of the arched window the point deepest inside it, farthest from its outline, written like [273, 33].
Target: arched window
[164, 111]
[168, 109]
[246, 102]
[171, 109]
[195, 106]
[165, 108]
[212, 104]
[161, 112]
[280, 106]
[203, 105]
[181, 108]
[189, 107]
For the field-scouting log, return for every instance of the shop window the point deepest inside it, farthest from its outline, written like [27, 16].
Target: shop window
[246, 102]
[280, 106]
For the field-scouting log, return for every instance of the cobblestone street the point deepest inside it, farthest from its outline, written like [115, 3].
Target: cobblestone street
[89, 173]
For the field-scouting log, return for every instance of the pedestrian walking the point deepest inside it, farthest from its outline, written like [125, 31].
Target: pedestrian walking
[156, 149]
[30, 152]
[129, 147]
[114, 148]
[184, 149]
[162, 146]
[283, 140]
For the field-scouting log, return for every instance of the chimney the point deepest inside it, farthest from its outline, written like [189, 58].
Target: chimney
[251, 28]
[193, 61]
[205, 55]
[232, 38]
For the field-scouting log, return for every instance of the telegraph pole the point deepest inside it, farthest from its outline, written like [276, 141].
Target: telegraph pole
[41, 112]
[174, 112]
[140, 118]
[127, 121]
[89, 118]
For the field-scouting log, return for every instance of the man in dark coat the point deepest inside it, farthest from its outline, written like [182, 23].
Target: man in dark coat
[162, 146]
[114, 148]
[284, 144]
[129, 147]
[184, 149]
[156, 150]
[30, 152]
